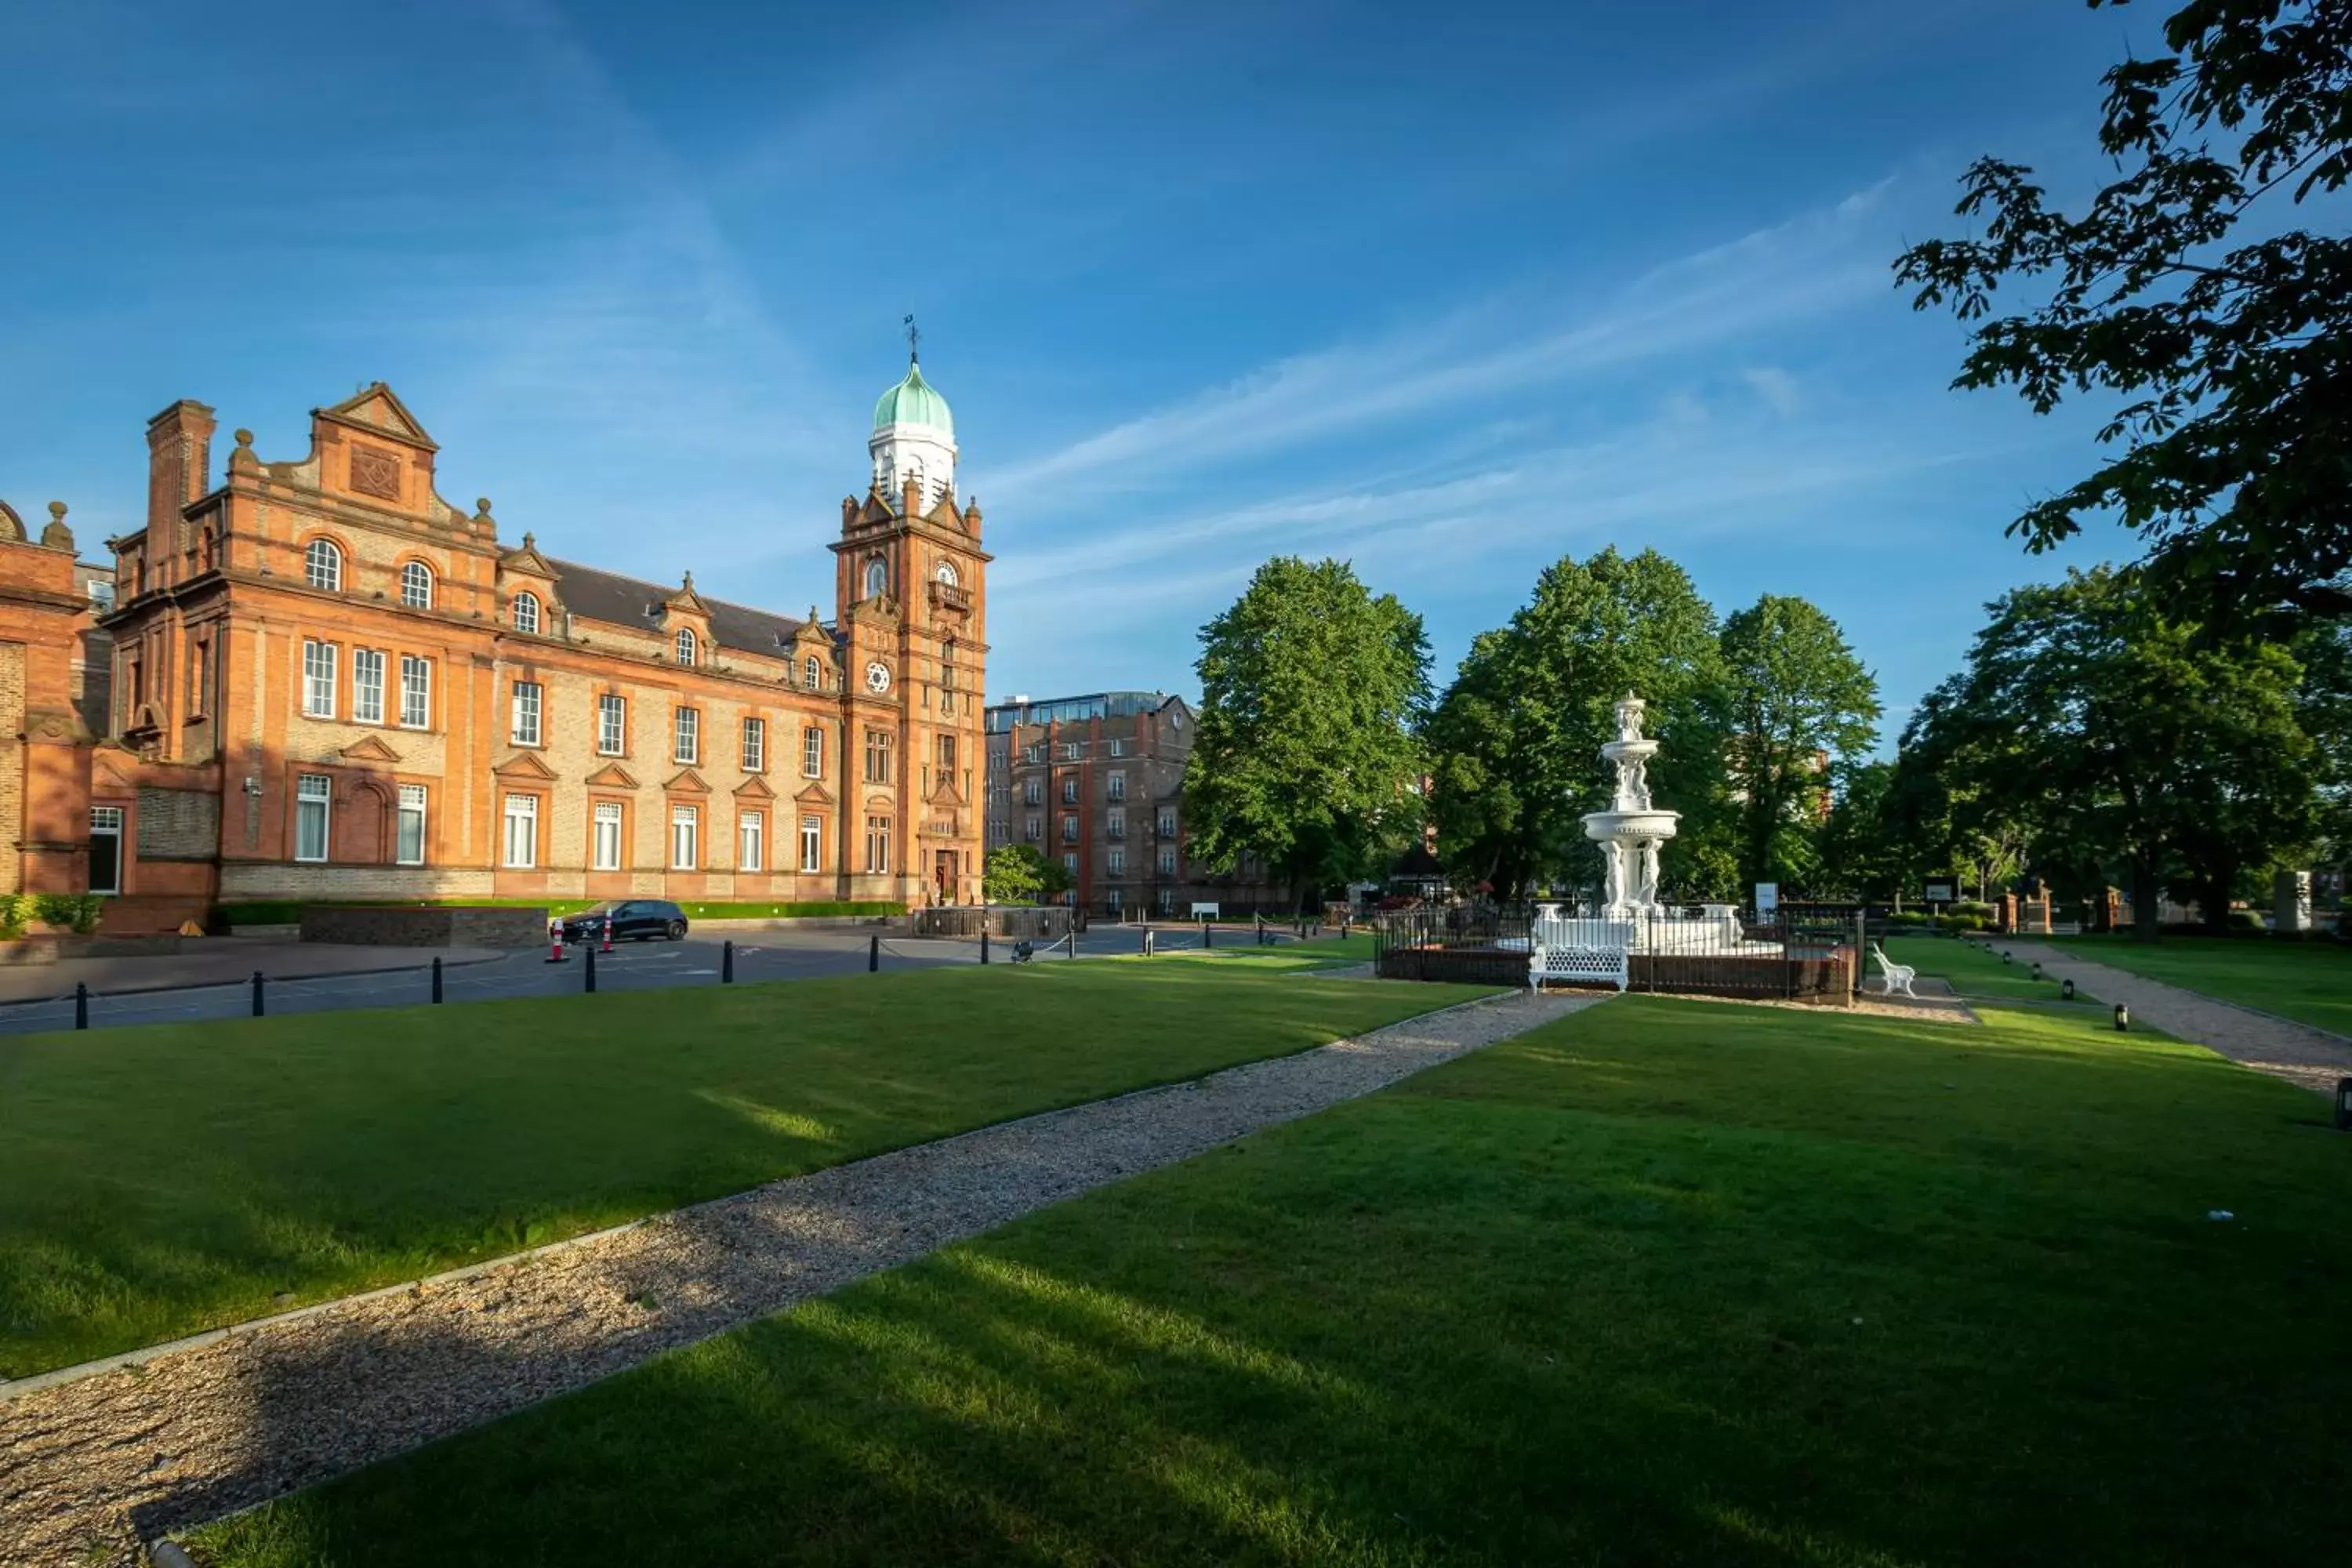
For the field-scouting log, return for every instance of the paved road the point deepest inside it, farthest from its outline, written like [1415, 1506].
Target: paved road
[759, 955]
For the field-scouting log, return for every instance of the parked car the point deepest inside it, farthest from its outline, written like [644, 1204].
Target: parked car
[634, 920]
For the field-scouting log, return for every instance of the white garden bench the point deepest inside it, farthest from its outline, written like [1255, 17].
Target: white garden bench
[1586, 966]
[1899, 976]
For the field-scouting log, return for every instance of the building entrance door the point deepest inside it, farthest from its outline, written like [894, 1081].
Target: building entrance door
[943, 872]
[106, 849]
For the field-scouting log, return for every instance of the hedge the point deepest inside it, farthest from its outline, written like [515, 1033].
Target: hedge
[289, 911]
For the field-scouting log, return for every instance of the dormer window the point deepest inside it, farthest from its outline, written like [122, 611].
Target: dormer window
[686, 645]
[416, 585]
[877, 577]
[812, 672]
[322, 565]
[526, 612]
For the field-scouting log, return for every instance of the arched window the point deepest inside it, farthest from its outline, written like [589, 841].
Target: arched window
[877, 577]
[526, 612]
[946, 574]
[416, 585]
[811, 673]
[322, 564]
[686, 645]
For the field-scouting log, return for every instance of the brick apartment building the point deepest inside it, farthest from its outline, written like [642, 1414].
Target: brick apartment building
[326, 681]
[1097, 782]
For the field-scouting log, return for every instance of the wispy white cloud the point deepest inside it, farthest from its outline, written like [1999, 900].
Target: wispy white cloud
[1811, 264]
[1776, 388]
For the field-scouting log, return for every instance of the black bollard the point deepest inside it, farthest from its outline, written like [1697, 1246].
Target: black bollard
[727, 963]
[81, 1004]
[874, 953]
[437, 982]
[2123, 1019]
[257, 993]
[588, 975]
[983, 944]
[1070, 944]
[1146, 941]
[1208, 933]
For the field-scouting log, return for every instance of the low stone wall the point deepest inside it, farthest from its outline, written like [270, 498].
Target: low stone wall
[396, 925]
[1824, 977]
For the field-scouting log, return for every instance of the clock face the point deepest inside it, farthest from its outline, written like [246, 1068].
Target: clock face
[877, 677]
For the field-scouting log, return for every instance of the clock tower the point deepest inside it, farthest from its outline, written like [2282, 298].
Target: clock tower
[911, 625]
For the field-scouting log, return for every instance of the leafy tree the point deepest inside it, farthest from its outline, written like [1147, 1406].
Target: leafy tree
[1515, 742]
[1304, 753]
[1862, 853]
[1018, 874]
[1795, 702]
[2118, 732]
[2230, 360]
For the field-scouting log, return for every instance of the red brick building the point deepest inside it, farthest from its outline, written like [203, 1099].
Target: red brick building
[327, 681]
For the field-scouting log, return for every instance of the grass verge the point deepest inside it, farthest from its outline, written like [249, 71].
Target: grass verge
[2310, 982]
[1668, 1282]
[1974, 970]
[158, 1180]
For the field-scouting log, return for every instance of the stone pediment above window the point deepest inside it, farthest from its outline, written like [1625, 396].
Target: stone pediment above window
[816, 794]
[945, 793]
[368, 749]
[754, 788]
[524, 765]
[613, 775]
[526, 561]
[687, 782]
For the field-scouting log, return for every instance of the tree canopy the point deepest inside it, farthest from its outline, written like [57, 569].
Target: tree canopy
[1794, 702]
[1515, 742]
[1304, 756]
[2110, 728]
[1019, 873]
[2226, 356]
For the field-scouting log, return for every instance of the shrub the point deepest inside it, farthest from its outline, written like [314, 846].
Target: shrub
[2246, 920]
[15, 914]
[78, 912]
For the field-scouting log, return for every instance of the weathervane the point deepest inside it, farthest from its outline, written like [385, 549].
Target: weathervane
[914, 342]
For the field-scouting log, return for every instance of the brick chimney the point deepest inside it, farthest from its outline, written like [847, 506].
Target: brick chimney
[179, 466]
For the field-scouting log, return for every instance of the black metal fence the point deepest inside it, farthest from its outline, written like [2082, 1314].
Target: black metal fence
[1808, 953]
[1020, 922]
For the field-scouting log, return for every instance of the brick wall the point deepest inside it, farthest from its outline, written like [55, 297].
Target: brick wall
[246, 880]
[178, 824]
[12, 762]
[392, 927]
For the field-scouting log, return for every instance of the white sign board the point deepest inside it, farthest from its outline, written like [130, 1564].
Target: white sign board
[1202, 911]
[1768, 902]
[1943, 892]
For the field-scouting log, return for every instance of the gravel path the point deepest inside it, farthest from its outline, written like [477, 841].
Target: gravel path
[90, 1467]
[2311, 1058]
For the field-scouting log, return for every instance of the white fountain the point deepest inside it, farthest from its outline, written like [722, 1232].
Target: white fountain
[1632, 829]
[1630, 834]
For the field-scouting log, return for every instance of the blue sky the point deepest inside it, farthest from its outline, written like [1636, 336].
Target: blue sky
[1448, 290]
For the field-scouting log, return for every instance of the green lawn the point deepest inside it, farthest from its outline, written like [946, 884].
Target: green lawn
[1669, 1283]
[2310, 981]
[1973, 970]
[158, 1180]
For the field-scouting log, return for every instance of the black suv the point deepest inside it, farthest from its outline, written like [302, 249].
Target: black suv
[639, 920]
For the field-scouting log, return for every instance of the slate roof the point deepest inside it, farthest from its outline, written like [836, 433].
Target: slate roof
[631, 602]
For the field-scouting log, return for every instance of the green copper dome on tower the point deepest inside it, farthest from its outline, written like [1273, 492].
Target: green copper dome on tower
[914, 401]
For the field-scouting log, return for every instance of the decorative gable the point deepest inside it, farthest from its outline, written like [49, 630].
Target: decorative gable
[754, 788]
[611, 775]
[379, 409]
[524, 765]
[368, 749]
[687, 782]
[816, 794]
